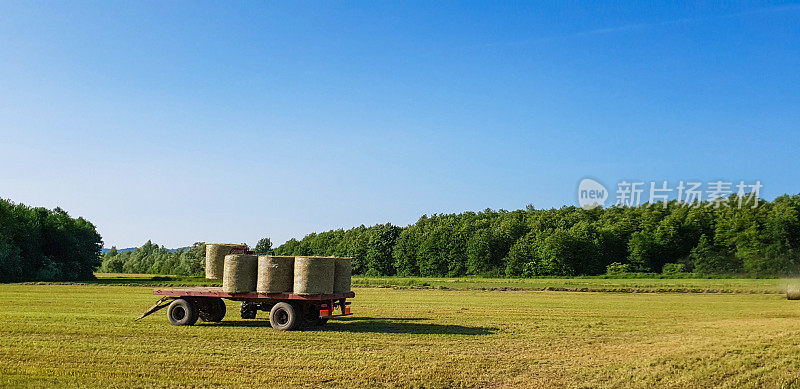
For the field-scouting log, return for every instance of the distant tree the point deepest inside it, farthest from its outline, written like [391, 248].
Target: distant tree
[711, 258]
[111, 263]
[560, 254]
[479, 252]
[522, 257]
[264, 247]
[154, 259]
[291, 247]
[38, 244]
[192, 260]
[379, 259]
[11, 263]
[405, 251]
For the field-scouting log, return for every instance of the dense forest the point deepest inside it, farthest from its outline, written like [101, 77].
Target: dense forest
[46, 245]
[556, 242]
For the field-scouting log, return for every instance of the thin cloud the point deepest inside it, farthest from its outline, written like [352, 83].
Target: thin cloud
[641, 26]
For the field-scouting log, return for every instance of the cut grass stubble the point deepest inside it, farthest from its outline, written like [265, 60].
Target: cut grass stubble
[83, 335]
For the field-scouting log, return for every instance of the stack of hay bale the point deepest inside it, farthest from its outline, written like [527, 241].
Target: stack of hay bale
[306, 275]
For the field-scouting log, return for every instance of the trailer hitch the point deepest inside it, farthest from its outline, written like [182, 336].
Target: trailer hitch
[159, 305]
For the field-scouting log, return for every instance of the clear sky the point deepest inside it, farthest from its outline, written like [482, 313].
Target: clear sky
[185, 121]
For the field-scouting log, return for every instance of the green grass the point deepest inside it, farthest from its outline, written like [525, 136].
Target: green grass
[84, 335]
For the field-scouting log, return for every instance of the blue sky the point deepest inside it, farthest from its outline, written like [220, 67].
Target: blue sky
[183, 122]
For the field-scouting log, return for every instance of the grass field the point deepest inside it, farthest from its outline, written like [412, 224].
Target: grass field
[84, 335]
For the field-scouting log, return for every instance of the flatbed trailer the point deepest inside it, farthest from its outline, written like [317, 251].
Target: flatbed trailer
[287, 311]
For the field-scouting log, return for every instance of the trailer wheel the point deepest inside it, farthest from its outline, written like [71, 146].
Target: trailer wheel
[182, 313]
[283, 317]
[212, 310]
[248, 310]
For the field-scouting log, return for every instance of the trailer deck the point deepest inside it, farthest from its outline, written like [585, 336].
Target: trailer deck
[212, 291]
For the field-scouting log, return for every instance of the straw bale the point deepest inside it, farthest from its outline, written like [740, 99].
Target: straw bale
[239, 275]
[342, 275]
[275, 274]
[313, 275]
[215, 258]
[793, 292]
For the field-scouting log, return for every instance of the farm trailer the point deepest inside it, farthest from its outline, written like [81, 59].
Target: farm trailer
[287, 311]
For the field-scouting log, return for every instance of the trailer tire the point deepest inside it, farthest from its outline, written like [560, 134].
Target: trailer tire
[283, 317]
[248, 310]
[182, 313]
[212, 310]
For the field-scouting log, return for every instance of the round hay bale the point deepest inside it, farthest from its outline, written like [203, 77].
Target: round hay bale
[239, 275]
[275, 274]
[215, 258]
[793, 292]
[313, 275]
[342, 274]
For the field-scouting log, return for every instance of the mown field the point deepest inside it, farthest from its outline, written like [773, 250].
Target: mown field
[84, 335]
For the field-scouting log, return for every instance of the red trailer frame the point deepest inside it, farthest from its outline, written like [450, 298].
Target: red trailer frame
[287, 310]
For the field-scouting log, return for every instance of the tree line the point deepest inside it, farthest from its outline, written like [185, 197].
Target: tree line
[572, 241]
[151, 258]
[38, 244]
[569, 241]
